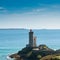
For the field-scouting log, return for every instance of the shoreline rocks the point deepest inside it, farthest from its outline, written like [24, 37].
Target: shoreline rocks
[35, 53]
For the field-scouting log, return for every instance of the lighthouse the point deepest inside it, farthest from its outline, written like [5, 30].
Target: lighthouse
[31, 38]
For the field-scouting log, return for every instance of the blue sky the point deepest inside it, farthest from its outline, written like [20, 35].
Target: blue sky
[34, 14]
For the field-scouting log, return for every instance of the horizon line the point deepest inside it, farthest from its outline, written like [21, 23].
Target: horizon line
[33, 28]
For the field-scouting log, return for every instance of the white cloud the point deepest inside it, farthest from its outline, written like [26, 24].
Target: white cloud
[39, 10]
[47, 21]
[55, 6]
[2, 9]
[36, 11]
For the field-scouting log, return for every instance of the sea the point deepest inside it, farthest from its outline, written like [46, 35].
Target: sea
[14, 40]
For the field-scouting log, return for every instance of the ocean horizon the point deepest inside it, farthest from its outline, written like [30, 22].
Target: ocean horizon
[13, 40]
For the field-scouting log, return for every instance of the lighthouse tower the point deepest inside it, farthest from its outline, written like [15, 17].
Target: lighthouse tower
[31, 38]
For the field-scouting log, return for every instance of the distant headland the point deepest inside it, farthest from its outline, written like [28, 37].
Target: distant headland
[34, 52]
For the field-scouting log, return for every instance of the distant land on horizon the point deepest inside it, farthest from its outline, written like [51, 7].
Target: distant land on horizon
[24, 29]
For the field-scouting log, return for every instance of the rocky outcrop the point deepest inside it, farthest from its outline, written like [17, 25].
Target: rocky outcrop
[44, 48]
[34, 53]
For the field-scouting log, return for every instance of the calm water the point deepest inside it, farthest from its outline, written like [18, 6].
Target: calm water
[11, 41]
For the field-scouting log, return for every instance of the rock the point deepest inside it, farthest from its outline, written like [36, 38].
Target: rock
[51, 57]
[44, 48]
[16, 56]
